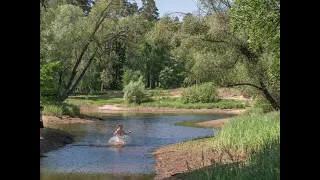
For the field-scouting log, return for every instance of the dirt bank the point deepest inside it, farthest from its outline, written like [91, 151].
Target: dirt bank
[213, 123]
[66, 119]
[175, 159]
[54, 139]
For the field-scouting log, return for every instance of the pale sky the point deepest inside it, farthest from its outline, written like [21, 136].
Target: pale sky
[168, 6]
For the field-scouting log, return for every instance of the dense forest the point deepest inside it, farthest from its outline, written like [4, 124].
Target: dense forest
[90, 46]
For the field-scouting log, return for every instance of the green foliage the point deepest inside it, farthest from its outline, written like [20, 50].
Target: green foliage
[156, 98]
[203, 93]
[263, 164]
[236, 42]
[135, 92]
[91, 48]
[260, 20]
[157, 92]
[47, 82]
[260, 106]
[259, 137]
[130, 75]
[170, 77]
[263, 104]
[149, 10]
[256, 136]
[93, 101]
[177, 103]
[250, 133]
[58, 108]
[251, 111]
[212, 53]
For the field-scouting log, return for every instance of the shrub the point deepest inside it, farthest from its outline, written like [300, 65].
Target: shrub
[205, 93]
[135, 92]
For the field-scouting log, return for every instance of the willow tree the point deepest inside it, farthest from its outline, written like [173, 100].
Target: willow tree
[216, 53]
[74, 39]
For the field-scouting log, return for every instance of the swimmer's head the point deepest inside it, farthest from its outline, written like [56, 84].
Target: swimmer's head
[120, 125]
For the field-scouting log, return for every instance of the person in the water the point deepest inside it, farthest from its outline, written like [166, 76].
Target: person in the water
[119, 139]
[120, 132]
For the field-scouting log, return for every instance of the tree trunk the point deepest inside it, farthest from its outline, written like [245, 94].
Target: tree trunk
[103, 16]
[268, 96]
[150, 81]
[264, 90]
[147, 80]
[65, 96]
[60, 80]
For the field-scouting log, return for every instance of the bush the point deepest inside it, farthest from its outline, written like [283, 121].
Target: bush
[135, 92]
[205, 93]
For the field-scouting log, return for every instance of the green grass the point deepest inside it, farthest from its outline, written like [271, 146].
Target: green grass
[109, 92]
[57, 108]
[250, 133]
[94, 101]
[257, 135]
[156, 102]
[152, 92]
[158, 99]
[176, 103]
[242, 133]
[157, 92]
[264, 165]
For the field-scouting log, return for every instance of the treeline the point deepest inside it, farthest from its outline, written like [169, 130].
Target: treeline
[88, 46]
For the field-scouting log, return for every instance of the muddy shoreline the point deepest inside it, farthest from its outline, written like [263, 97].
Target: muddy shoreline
[55, 138]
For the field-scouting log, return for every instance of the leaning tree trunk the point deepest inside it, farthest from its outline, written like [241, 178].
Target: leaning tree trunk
[267, 95]
[66, 92]
[264, 90]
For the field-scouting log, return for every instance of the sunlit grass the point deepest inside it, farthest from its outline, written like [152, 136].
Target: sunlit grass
[256, 135]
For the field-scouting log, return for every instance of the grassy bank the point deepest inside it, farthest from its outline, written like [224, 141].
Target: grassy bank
[176, 103]
[248, 147]
[158, 102]
[158, 99]
[95, 101]
[250, 133]
[263, 164]
[58, 108]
